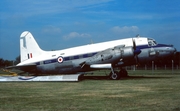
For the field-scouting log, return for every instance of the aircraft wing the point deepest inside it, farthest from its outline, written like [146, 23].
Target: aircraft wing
[117, 56]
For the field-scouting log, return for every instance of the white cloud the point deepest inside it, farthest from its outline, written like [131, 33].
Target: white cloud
[73, 35]
[31, 8]
[125, 29]
[51, 30]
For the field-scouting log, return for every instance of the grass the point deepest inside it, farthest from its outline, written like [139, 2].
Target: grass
[143, 90]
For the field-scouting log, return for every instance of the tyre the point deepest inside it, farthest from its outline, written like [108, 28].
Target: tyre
[123, 73]
[114, 76]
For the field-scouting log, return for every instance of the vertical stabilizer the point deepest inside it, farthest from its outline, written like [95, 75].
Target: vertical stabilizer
[28, 46]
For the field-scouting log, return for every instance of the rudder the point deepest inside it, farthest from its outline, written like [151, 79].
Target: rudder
[28, 46]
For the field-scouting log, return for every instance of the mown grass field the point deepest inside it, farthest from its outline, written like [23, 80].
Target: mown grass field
[142, 91]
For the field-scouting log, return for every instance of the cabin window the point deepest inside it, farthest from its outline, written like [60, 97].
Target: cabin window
[80, 56]
[76, 57]
[66, 58]
[71, 58]
[85, 55]
[89, 55]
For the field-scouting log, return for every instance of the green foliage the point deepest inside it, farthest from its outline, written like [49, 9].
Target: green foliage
[5, 63]
[17, 60]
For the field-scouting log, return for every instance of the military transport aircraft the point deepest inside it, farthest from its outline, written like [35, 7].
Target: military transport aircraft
[104, 55]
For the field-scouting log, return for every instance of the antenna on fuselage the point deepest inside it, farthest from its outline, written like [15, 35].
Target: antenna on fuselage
[137, 35]
[92, 41]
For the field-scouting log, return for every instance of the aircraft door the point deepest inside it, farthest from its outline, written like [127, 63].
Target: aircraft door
[152, 51]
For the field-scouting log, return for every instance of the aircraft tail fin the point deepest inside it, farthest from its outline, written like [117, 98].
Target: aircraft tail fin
[28, 46]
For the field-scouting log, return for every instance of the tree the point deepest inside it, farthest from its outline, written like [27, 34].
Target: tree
[5, 63]
[17, 61]
[1, 62]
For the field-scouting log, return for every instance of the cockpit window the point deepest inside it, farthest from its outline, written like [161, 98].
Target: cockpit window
[151, 42]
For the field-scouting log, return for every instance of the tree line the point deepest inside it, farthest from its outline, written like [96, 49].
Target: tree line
[5, 63]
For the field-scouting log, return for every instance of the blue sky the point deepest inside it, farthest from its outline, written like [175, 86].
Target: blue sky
[59, 24]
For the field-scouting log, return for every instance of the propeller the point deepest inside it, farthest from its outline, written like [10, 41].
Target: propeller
[134, 44]
[136, 51]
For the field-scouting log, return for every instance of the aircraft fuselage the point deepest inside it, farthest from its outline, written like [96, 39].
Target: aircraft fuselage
[118, 53]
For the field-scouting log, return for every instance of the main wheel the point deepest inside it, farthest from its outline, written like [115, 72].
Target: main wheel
[114, 76]
[123, 73]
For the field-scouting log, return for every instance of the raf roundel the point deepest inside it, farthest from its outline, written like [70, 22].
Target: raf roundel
[60, 59]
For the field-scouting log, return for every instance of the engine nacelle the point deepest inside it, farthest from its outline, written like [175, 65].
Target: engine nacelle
[127, 53]
[112, 55]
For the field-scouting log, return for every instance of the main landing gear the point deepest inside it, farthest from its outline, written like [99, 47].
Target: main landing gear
[115, 75]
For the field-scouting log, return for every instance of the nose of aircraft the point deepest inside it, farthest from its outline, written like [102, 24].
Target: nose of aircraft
[171, 49]
[175, 50]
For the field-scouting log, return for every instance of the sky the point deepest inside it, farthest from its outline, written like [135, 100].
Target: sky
[59, 24]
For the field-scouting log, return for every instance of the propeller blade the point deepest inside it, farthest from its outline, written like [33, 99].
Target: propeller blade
[134, 44]
[136, 51]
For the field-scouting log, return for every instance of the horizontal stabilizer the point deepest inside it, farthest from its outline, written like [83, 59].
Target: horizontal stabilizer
[23, 66]
[27, 68]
